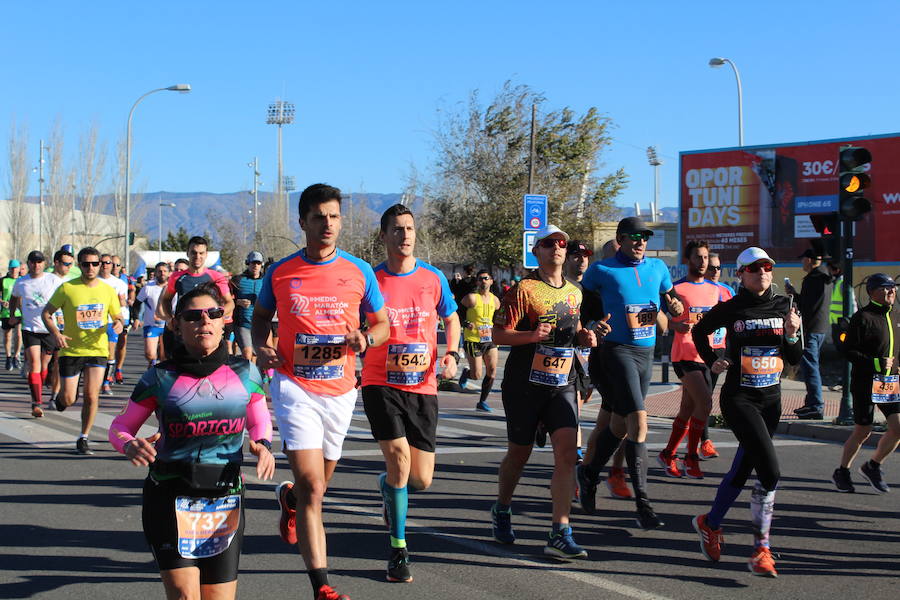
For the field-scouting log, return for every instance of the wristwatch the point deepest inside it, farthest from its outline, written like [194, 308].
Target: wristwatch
[370, 339]
[266, 443]
[454, 354]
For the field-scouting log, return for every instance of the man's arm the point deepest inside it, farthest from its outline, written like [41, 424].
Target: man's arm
[15, 303]
[164, 306]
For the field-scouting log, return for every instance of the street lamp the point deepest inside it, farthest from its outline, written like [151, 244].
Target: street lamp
[655, 162]
[40, 167]
[718, 62]
[281, 113]
[160, 232]
[181, 87]
[255, 194]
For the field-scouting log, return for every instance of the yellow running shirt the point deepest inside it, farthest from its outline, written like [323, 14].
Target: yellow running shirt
[482, 317]
[86, 311]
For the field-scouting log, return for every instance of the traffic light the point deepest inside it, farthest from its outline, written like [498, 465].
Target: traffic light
[852, 181]
[131, 238]
[829, 226]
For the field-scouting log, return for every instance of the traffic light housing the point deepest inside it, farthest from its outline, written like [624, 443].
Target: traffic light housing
[852, 181]
[131, 238]
[829, 226]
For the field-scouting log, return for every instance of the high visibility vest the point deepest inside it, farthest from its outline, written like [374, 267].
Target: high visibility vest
[836, 308]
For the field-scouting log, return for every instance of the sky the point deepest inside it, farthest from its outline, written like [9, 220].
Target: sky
[368, 80]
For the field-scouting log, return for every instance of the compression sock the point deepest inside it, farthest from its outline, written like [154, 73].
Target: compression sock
[486, 385]
[636, 458]
[44, 374]
[108, 374]
[695, 432]
[318, 578]
[464, 377]
[762, 505]
[679, 429]
[705, 435]
[396, 502]
[606, 446]
[34, 386]
[726, 494]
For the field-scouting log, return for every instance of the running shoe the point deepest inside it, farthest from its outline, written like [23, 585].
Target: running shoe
[873, 473]
[692, 467]
[16, 363]
[385, 515]
[82, 446]
[119, 378]
[36, 411]
[587, 490]
[708, 450]
[842, 480]
[483, 406]
[616, 483]
[502, 525]
[647, 519]
[326, 592]
[540, 435]
[711, 540]
[813, 415]
[561, 545]
[58, 403]
[804, 409]
[398, 566]
[761, 562]
[669, 463]
[9, 363]
[106, 390]
[287, 524]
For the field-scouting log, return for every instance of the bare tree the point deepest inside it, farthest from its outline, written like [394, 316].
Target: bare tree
[17, 215]
[60, 192]
[91, 169]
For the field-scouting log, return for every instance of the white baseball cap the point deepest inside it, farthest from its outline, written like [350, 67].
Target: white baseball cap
[752, 255]
[547, 232]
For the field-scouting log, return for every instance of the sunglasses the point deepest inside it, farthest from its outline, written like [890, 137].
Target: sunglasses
[484, 278]
[117, 265]
[636, 237]
[90, 263]
[106, 262]
[66, 264]
[195, 314]
[715, 268]
[757, 267]
[552, 243]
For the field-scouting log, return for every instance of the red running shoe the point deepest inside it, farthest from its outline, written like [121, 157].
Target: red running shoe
[708, 450]
[669, 464]
[326, 592]
[616, 483]
[692, 467]
[761, 562]
[287, 525]
[711, 540]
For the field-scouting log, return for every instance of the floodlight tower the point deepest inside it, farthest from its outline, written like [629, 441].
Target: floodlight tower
[280, 113]
[655, 162]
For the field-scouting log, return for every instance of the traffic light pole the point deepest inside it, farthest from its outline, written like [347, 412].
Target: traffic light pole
[845, 416]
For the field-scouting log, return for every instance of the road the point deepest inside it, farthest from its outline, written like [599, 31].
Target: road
[70, 525]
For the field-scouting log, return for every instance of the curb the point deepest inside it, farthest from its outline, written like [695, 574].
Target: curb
[825, 431]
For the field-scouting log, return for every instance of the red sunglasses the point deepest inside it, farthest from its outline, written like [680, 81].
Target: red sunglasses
[550, 243]
[759, 266]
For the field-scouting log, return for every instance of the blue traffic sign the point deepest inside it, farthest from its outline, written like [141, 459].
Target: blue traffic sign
[534, 211]
[529, 260]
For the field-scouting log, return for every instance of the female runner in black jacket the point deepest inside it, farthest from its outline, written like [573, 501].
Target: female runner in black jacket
[762, 332]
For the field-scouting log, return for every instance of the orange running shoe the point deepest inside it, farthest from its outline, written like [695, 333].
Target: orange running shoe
[326, 592]
[669, 464]
[616, 483]
[707, 450]
[761, 562]
[287, 525]
[711, 540]
[36, 411]
[692, 467]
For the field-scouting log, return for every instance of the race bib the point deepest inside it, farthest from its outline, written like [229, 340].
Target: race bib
[583, 355]
[718, 336]
[551, 366]
[407, 363]
[695, 313]
[485, 334]
[206, 526]
[319, 357]
[761, 366]
[641, 319]
[89, 316]
[885, 389]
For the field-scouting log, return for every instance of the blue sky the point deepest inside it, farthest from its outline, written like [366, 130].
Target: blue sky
[368, 78]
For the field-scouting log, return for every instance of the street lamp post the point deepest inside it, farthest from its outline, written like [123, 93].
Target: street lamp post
[255, 194]
[181, 87]
[161, 205]
[718, 62]
[653, 158]
[43, 148]
[280, 113]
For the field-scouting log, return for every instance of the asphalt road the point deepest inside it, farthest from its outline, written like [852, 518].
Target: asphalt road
[70, 525]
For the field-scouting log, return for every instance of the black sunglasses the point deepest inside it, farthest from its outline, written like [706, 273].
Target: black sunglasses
[715, 267]
[90, 263]
[484, 278]
[636, 237]
[195, 314]
[106, 262]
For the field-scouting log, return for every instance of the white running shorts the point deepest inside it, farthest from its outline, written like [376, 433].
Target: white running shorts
[310, 421]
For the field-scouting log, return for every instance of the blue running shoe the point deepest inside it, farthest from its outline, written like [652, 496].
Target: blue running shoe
[483, 407]
[561, 545]
[502, 525]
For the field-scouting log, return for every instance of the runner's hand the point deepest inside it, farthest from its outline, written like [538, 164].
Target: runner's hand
[587, 338]
[243, 303]
[62, 340]
[140, 451]
[265, 462]
[448, 367]
[888, 362]
[792, 323]
[118, 326]
[356, 340]
[542, 332]
[267, 358]
[137, 324]
[603, 328]
[720, 366]
[675, 306]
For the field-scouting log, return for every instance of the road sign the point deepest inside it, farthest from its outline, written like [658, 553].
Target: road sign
[535, 211]
[529, 260]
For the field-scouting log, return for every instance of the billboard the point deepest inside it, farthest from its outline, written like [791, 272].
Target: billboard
[763, 196]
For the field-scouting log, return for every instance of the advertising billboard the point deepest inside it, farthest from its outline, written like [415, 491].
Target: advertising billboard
[763, 196]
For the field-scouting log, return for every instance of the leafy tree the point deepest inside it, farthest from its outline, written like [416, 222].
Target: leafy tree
[177, 241]
[482, 172]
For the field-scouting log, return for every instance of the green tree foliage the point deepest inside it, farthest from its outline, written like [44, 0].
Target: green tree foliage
[482, 172]
[177, 241]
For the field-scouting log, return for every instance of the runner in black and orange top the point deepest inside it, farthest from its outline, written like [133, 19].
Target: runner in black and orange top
[762, 330]
[540, 318]
[399, 385]
[698, 295]
[319, 293]
[480, 306]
